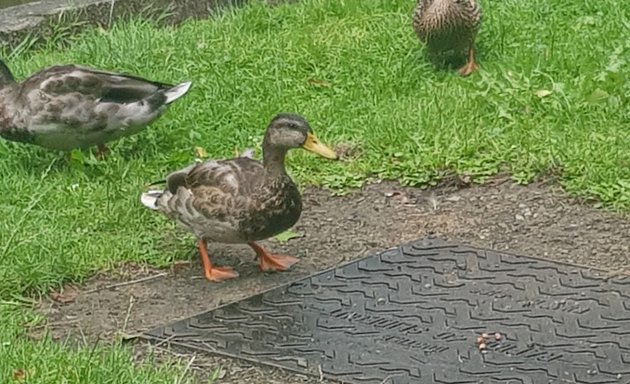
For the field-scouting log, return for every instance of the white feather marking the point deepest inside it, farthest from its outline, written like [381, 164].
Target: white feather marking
[149, 199]
[177, 91]
[230, 180]
[248, 152]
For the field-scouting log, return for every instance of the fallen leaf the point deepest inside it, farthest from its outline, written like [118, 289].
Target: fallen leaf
[77, 155]
[598, 96]
[287, 235]
[320, 83]
[543, 93]
[392, 193]
[347, 150]
[68, 295]
[179, 265]
[201, 152]
[19, 374]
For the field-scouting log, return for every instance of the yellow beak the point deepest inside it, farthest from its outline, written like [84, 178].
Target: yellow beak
[312, 144]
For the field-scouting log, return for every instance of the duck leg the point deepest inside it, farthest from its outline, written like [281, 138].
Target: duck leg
[269, 262]
[470, 65]
[215, 274]
[101, 151]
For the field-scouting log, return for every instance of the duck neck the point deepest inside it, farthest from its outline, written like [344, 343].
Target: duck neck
[6, 77]
[273, 161]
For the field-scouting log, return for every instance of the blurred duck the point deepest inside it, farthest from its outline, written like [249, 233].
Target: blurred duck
[67, 106]
[449, 25]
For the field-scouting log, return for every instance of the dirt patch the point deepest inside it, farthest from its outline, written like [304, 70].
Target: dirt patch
[535, 220]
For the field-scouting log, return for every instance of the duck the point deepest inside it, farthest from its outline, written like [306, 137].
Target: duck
[65, 107]
[240, 200]
[449, 25]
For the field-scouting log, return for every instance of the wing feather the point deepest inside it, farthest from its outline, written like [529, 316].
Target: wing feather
[102, 85]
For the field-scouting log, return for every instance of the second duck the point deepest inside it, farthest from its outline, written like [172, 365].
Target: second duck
[68, 106]
[448, 25]
[240, 200]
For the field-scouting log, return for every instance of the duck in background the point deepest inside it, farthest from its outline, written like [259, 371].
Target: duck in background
[449, 25]
[68, 106]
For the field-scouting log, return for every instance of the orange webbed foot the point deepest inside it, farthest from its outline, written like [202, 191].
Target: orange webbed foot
[218, 274]
[270, 262]
[470, 66]
[212, 273]
[276, 262]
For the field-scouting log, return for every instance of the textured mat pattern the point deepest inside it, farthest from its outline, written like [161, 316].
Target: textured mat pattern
[412, 315]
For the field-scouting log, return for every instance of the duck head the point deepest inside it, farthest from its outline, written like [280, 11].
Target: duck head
[288, 131]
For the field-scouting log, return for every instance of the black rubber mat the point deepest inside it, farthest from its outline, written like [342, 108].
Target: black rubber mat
[413, 314]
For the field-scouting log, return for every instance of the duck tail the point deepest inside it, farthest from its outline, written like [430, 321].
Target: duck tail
[149, 199]
[176, 92]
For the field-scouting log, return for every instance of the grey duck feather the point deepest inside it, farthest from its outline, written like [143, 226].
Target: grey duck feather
[240, 200]
[448, 25]
[67, 106]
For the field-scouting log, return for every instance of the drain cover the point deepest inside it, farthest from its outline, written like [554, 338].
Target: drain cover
[413, 314]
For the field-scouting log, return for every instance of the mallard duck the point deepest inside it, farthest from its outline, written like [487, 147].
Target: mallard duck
[240, 200]
[449, 25]
[67, 106]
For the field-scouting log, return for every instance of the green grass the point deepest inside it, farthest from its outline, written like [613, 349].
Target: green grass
[355, 69]
[47, 361]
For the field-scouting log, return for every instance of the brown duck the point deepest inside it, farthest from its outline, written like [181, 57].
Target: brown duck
[240, 200]
[449, 25]
[67, 106]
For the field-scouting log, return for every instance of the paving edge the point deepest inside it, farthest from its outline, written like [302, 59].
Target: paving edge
[27, 26]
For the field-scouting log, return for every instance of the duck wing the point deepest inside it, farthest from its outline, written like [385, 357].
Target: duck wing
[101, 85]
[209, 198]
[66, 107]
[237, 177]
[228, 179]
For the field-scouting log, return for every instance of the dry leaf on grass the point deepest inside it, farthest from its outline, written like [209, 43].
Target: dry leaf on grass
[67, 295]
[19, 374]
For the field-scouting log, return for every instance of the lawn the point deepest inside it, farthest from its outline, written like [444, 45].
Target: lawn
[551, 98]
